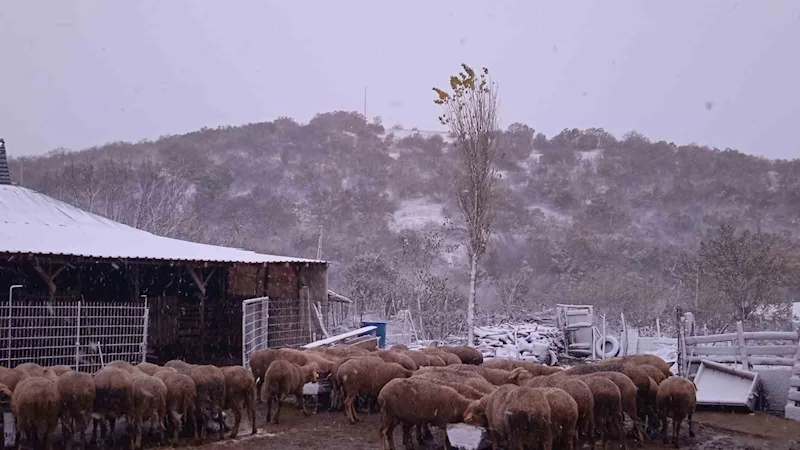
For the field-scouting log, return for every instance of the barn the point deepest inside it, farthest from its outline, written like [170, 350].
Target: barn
[77, 288]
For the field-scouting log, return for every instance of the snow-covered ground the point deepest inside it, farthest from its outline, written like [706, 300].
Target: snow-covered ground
[416, 214]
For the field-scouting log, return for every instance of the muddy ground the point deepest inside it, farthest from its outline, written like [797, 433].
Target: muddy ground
[332, 431]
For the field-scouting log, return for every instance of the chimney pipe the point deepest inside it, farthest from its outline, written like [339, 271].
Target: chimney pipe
[5, 177]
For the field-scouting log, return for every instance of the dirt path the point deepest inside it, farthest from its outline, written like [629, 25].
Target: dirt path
[331, 431]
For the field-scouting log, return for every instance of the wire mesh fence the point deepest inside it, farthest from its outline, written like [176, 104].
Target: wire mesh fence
[78, 334]
[273, 323]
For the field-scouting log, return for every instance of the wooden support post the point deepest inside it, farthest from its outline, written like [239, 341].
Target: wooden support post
[49, 276]
[681, 342]
[201, 282]
[742, 346]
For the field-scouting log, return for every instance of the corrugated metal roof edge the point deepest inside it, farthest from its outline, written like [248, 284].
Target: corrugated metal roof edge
[278, 260]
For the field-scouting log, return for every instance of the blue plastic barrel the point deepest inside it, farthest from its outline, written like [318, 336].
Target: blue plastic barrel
[380, 331]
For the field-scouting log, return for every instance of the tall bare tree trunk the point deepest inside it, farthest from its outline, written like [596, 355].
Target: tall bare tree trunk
[473, 287]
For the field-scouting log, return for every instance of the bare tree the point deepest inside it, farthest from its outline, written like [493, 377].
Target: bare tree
[740, 270]
[470, 111]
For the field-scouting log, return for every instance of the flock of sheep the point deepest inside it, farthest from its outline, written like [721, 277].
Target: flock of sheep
[170, 397]
[521, 404]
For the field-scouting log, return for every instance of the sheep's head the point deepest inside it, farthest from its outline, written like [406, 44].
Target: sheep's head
[5, 393]
[475, 414]
[312, 372]
[519, 376]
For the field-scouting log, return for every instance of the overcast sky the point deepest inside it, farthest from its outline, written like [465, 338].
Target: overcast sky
[81, 73]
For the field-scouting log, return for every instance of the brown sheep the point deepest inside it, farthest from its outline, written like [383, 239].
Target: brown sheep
[515, 414]
[435, 361]
[452, 380]
[363, 376]
[638, 376]
[607, 408]
[396, 357]
[653, 373]
[28, 366]
[284, 377]
[467, 355]
[113, 400]
[149, 403]
[148, 368]
[11, 377]
[259, 362]
[495, 376]
[181, 366]
[342, 352]
[240, 393]
[338, 394]
[652, 360]
[398, 348]
[677, 399]
[77, 393]
[181, 399]
[209, 383]
[651, 407]
[627, 395]
[535, 369]
[124, 365]
[42, 372]
[582, 395]
[419, 358]
[447, 357]
[60, 369]
[471, 379]
[563, 416]
[417, 401]
[36, 405]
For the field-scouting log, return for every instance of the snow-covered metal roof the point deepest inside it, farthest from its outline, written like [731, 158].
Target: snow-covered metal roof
[33, 223]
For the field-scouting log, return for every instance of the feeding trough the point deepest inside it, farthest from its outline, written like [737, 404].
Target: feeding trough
[721, 385]
[463, 436]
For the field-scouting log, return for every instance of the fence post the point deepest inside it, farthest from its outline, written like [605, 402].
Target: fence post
[146, 325]
[742, 346]
[78, 338]
[681, 341]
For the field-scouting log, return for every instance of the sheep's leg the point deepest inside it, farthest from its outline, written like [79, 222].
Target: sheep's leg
[276, 418]
[589, 430]
[664, 437]
[350, 407]
[270, 399]
[251, 411]
[408, 442]
[547, 442]
[619, 424]
[237, 419]
[383, 432]
[676, 423]
[301, 400]
[691, 428]
[259, 385]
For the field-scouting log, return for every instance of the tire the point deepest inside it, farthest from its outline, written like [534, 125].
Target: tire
[612, 347]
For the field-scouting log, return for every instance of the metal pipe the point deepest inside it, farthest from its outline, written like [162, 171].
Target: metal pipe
[10, 295]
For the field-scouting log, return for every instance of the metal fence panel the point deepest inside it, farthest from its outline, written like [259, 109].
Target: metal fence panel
[255, 320]
[78, 334]
[274, 323]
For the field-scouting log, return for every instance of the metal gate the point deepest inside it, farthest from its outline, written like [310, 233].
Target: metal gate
[255, 324]
[82, 335]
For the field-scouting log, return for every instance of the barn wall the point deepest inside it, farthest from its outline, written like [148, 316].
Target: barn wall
[315, 278]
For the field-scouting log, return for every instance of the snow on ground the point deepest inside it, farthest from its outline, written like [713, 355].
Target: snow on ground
[530, 161]
[416, 214]
[591, 155]
[550, 213]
